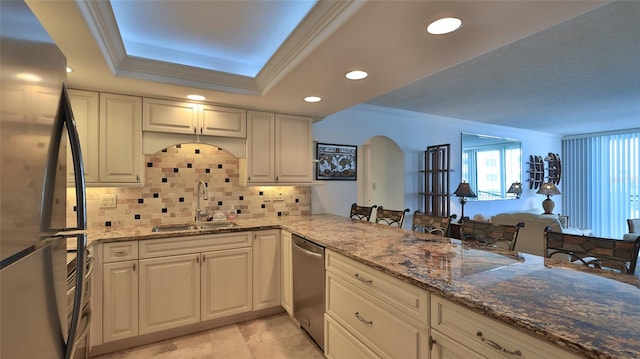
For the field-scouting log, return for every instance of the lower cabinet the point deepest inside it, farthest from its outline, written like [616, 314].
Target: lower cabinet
[169, 292]
[159, 284]
[266, 269]
[287, 271]
[226, 283]
[457, 332]
[120, 300]
[381, 314]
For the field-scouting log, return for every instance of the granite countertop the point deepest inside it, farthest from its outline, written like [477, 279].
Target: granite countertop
[592, 313]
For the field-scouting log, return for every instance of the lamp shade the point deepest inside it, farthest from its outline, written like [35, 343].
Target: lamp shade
[464, 190]
[548, 189]
[516, 188]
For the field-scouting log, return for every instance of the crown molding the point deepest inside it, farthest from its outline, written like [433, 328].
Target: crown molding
[322, 21]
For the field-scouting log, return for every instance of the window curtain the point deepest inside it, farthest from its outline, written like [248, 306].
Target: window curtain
[600, 181]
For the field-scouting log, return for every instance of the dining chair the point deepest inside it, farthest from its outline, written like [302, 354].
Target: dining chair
[490, 233]
[426, 223]
[390, 217]
[596, 252]
[361, 212]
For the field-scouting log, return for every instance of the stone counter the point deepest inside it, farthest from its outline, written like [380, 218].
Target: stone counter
[592, 313]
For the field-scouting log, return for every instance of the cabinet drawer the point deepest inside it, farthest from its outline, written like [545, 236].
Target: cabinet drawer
[340, 344]
[385, 330]
[403, 296]
[486, 336]
[120, 251]
[193, 244]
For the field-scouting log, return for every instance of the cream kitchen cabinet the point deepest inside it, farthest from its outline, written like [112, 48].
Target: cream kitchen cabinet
[85, 106]
[109, 127]
[266, 269]
[120, 291]
[380, 313]
[279, 149]
[169, 292]
[195, 278]
[457, 332]
[226, 283]
[287, 271]
[192, 118]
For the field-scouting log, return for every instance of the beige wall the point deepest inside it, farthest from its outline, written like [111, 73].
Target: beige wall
[169, 193]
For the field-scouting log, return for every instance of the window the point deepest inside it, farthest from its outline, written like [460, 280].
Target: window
[601, 181]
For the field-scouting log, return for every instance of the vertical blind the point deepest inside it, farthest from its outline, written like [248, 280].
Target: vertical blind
[601, 176]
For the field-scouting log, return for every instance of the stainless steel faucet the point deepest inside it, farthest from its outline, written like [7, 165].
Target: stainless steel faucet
[202, 190]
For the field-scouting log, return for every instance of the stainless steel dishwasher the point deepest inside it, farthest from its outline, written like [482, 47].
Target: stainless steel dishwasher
[308, 287]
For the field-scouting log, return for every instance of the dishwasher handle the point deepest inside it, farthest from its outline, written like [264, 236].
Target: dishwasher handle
[308, 248]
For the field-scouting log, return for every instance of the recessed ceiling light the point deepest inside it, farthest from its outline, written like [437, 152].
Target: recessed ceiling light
[69, 69]
[312, 99]
[196, 97]
[444, 26]
[356, 75]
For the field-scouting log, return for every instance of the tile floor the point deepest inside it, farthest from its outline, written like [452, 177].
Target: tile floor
[274, 337]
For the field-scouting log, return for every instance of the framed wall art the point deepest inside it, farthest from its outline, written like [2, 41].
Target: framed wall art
[336, 162]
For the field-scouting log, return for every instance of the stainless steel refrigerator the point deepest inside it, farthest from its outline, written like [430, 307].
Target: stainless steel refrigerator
[36, 130]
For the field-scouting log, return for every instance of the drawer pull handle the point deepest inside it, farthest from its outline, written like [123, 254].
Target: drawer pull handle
[360, 318]
[363, 279]
[120, 252]
[497, 346]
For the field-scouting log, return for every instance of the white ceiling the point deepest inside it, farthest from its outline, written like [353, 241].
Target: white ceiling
[562, 67]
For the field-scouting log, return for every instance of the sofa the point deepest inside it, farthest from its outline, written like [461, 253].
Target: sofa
[531, 237]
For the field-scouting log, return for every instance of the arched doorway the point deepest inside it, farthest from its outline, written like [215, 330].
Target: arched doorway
[382, 174]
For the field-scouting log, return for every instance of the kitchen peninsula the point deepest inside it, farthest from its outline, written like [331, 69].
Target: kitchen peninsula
[589, 313]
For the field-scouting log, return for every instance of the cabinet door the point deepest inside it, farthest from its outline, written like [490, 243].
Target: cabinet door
[84, 105]
[226, 283]
[223, 121]
[120, 138]
[293, 149]
[169, 292]
[120, 300]
[266, 269]
[170, 116]
[260, 165]
[287, 272]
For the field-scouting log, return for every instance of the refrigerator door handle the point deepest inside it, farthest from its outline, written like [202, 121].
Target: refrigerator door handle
[78, 166]
[77, 298]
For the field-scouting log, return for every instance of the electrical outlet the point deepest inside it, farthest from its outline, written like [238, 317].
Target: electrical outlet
[108, 201]
[279, 196]
[267, 196]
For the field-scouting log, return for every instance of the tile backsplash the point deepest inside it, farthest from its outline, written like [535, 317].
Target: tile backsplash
[169, 193]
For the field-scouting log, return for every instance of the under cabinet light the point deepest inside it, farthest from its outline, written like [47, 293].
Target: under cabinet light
[312, 99]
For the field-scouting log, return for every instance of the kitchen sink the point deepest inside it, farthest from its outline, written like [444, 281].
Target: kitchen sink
[193, 226]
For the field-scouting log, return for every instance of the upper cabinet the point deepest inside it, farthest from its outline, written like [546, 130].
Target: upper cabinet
[192, 118]
[279, 149]
[109, 127]
[85, 106]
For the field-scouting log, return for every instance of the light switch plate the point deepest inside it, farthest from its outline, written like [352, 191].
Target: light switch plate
[267, 196]
[108, 201]
[279, 196]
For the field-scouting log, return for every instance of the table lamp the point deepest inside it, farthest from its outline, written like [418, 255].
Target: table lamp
[548, 189]
[516, 188]
[463, 191]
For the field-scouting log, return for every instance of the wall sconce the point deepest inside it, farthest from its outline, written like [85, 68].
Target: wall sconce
[516, 188]
[463, 191]
[548, 189]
